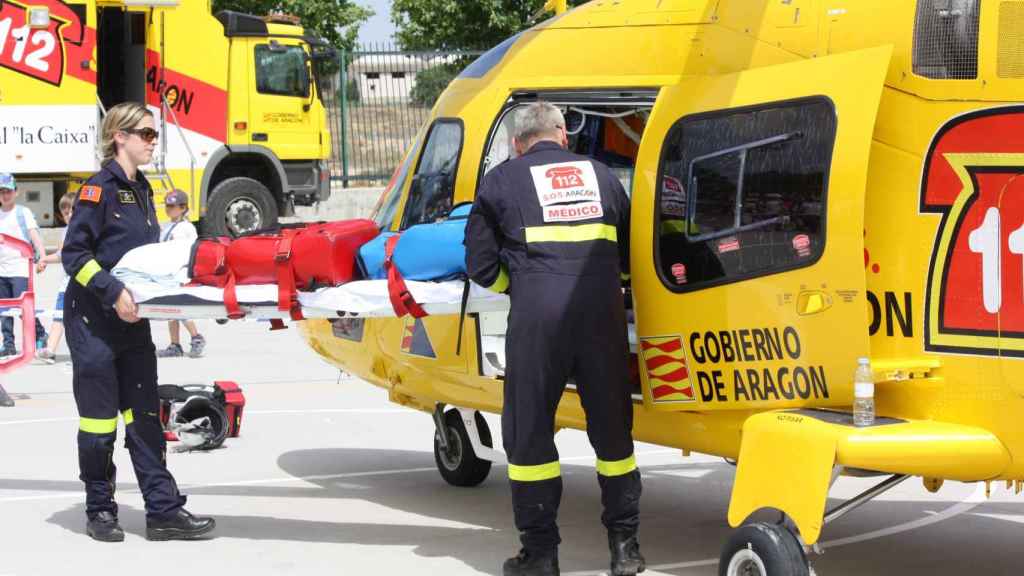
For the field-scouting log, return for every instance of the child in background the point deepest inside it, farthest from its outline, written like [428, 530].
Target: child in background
[49, 354]
[179, 229]
[18, 222]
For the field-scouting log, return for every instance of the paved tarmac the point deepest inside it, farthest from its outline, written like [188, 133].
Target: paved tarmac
[329, 478]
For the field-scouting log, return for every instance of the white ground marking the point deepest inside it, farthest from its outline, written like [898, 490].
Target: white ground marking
[977, 497]
[1017, 518]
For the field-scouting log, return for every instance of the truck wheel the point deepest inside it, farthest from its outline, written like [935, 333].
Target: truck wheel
[762, 549]
[459, 465]
[239, 206]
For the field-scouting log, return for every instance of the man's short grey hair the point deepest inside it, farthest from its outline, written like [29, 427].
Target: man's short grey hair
[537, 119]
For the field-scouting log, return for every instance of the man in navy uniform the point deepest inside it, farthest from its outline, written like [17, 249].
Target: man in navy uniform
[551, 228]
[112, 351]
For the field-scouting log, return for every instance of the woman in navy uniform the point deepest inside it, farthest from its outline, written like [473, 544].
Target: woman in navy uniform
[112, 351]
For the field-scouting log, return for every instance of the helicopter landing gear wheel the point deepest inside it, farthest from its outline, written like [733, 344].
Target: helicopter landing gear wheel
[457, 462]
[762, 549]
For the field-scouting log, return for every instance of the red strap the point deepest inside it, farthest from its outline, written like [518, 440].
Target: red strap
[285, 274]
[231, 299]
[401, 299]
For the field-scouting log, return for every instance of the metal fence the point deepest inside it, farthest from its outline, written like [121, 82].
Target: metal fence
[376, 102]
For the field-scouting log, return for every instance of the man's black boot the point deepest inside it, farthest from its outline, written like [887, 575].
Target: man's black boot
[532, 563]
[626, 557]
[180, 526]
[104, 527]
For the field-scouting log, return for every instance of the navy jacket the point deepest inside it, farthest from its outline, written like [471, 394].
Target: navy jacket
[548, 211]
[112, 215]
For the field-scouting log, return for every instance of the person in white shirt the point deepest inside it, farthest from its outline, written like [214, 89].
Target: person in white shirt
[17, 221]
[179, 229]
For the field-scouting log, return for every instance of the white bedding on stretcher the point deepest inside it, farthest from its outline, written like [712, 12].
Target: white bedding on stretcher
[154, 274]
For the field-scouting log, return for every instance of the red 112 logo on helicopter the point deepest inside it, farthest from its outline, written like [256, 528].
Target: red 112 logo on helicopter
[974, 177]
[38, 52]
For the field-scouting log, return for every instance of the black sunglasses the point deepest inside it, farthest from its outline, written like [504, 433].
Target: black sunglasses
[147, 134]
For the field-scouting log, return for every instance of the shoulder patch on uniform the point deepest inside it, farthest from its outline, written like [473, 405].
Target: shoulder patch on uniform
[90, 193]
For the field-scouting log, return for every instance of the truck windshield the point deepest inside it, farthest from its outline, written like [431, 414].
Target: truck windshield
[282, 70]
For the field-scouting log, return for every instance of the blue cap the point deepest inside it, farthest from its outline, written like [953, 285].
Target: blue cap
[7, 181]
[176, 198]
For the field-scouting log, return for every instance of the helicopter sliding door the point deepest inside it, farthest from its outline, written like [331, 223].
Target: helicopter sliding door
[747, 235]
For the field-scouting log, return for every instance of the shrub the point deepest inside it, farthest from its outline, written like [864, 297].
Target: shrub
[430, 83]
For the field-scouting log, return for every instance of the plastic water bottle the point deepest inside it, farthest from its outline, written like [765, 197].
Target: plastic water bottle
[863, 394]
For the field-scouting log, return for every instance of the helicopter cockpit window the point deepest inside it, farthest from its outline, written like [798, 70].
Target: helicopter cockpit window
[384, 213]
[743, 193]
[610, 134]
[433, 185]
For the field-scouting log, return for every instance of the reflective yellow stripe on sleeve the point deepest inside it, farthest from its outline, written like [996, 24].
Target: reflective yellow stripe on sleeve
[501, 282]
[534, 473]
[86, 273]
[581, 233]
[97, 425]
[129, 416]
[617, 467]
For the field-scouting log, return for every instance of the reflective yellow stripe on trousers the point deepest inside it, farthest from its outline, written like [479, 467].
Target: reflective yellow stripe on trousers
[104, 425]
[581, 233]
[98, 425]
[616, 467]
[534, 473]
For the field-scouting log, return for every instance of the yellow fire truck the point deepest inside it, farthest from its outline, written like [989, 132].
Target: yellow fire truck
[242, 129]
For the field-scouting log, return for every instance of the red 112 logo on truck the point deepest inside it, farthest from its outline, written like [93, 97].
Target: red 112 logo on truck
[974, 177]
[38, 52]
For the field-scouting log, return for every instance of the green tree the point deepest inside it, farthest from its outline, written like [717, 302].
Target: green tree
[461, 24]
[336, 21]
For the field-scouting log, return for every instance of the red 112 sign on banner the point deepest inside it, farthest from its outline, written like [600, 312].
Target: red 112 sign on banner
[38, 52]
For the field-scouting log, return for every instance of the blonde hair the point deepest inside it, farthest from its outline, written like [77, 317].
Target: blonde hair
[121, 117]
[67, 201]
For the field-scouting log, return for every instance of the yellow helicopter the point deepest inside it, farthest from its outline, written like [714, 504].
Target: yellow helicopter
[812, 182]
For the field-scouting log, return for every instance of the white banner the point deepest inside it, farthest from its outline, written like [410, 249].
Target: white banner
[47, 139]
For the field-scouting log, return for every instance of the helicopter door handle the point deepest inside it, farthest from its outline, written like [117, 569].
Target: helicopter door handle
[812, 301]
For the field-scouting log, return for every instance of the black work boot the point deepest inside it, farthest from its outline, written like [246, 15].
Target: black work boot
[104, 527]
[181, 526]
[626, 557]
[532, 563]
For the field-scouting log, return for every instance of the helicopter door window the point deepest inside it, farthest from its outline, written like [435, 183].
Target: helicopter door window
[609, 134]
[742, 193]
[433, 184]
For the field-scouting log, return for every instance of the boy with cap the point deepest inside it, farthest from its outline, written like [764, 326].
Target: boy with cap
[179, 229]
[49, 354]
[17, 221]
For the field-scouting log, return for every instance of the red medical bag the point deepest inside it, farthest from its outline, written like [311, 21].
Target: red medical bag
[295, 258]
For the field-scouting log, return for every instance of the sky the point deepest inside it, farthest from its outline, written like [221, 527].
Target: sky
[379, 28]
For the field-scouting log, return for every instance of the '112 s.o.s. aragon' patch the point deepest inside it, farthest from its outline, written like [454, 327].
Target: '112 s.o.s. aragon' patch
[568, 191]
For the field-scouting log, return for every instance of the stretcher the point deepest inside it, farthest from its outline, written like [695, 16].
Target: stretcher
[361, 298]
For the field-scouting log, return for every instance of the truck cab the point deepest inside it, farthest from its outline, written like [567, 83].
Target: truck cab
[236, 97]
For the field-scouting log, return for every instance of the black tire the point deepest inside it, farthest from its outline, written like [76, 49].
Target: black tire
[762, 549]
[459, 466]
[237, 206]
